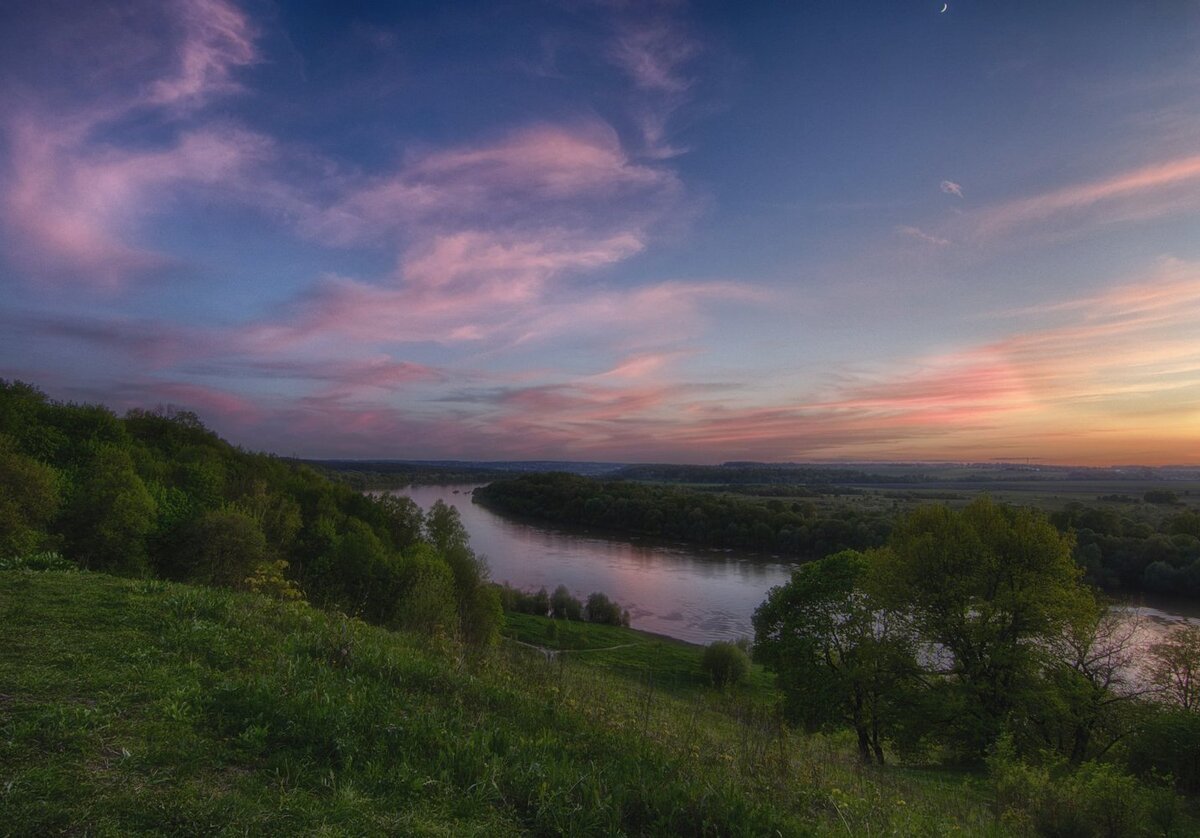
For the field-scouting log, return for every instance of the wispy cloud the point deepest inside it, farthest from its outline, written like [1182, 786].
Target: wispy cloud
[951, 188]
[920, 235]
[1136, 194]
[654, 54]
[72, 204]
[216, 39]
[70, 210]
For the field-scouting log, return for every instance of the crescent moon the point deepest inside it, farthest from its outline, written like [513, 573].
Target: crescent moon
[944, 7]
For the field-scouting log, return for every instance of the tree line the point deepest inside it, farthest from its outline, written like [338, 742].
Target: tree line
[1119, 550]
[671, 512]
[155, 493]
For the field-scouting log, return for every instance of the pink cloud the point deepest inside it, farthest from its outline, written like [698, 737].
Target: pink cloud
[1146, 192]
[574, 174]
[653, 55]
[642, 365]
[920, 235]
[69, 209]
[217, 38]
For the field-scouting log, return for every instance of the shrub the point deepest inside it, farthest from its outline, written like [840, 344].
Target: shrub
[223, 548]
[601, 609]
[1168, 743]
[1099, 799]
[563, 606]
[268, 579]
[725, 664]
[38, 562]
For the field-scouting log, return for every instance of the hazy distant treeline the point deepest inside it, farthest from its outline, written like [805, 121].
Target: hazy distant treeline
[795, 528]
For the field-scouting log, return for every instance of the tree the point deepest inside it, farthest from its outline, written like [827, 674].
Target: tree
[403, 519]
[839, 658]
[444, 528]
[1175, 667]
[28, 500]
[1087, 702]
[601, 609]
[563, 606]
[110, 514]
[991, 587]
[725, 664]
[222, 547]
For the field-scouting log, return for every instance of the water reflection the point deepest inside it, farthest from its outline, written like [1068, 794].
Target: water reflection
[690, 593]
[686, 592]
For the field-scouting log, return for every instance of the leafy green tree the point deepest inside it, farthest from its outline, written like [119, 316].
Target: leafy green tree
[991, 587]
[600, 609]
[838, 656]
[725, 664]
[1175, 667]
[1087, 701]
[223, 547]
[110, 514]
[404, 520]
[29, 498]
[429, 602]
[563, 606]
[444, 528]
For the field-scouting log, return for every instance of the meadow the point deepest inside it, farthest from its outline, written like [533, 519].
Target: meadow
[147, 707]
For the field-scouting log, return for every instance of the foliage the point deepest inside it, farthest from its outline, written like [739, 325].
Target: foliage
[698, 517]
[110, 514]
[221, 547]
[1175, 667]
[269, 579]
[29, 499]
[600, 609]
[839, 656]
[563, 606]
[1167, 744]
[158, 493]
[991, 587]
[725, 664]
[523, 602]
[1098, 799]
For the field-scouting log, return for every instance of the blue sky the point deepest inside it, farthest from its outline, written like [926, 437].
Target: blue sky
[634, 231]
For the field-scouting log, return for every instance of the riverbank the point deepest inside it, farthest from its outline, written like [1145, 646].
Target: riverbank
[641, 656]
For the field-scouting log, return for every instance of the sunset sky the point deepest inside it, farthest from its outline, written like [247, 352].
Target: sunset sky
[626, 231]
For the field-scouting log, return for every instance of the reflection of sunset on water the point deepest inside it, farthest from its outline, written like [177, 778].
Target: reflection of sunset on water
[684, 592]
[681, 591]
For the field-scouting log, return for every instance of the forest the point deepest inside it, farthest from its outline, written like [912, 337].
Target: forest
[1130, 544]
[157, 494]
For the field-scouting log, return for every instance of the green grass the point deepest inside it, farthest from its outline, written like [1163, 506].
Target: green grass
[138, 707]
[672, 665]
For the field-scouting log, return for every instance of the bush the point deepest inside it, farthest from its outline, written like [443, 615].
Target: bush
[725, 663]
[563, 606]
[37, 562]
[1168, 743]
[1099, 799]
[601, 609]
[522, 602]
[268, 579]
[222, 548]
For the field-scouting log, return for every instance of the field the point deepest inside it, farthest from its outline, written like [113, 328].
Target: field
[667, 664]
[142, 707]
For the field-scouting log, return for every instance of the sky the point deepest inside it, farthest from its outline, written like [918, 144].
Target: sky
[630, 231]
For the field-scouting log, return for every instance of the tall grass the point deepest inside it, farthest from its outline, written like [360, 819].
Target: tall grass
[138, 707]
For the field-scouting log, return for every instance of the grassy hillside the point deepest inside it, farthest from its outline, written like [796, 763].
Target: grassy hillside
[138, 707]
[671, 665]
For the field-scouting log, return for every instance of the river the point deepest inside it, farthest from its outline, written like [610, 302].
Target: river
[691, 593]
